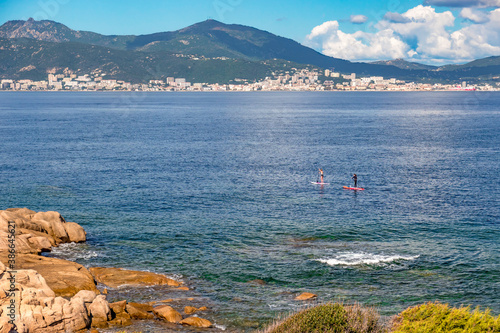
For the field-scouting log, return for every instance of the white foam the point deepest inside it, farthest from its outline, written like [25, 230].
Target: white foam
[72, 251]
[220, 327]
[363, 258]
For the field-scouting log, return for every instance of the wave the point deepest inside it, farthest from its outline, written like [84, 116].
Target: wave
[363, 258]
[73, 251]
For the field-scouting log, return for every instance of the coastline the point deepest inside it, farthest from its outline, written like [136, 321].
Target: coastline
[257, 91]
[70, 297]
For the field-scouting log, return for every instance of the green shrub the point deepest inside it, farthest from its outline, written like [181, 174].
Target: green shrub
[330, 318]
[440, 318]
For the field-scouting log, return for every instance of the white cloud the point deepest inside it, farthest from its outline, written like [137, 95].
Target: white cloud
[463, 3]
[357, 46]
[358, 19]
[481, 40]
[475, 16]
[420, 34]
[427, 27]
[396, 18]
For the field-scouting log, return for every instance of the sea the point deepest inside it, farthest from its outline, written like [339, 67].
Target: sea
[215, 189]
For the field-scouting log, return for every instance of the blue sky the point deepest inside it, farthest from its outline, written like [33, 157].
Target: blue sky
[429, 31]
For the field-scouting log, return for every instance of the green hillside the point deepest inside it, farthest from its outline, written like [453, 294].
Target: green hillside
[479, 63]
[28, 49]
[403, 64]
[209, 39]
[26, 58]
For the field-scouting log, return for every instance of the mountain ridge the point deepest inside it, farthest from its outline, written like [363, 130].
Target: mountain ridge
[212, 39]
[24, 58]
[242, 40]
[404, 64]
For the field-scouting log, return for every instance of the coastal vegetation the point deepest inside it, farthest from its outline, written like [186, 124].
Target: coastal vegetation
[437, 317]
[425, 318]
[330, 317]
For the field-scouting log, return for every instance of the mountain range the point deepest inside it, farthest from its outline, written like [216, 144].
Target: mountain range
[208, 51]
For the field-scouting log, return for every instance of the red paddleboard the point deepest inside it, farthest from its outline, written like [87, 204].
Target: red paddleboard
[319, 183]
[354, 188]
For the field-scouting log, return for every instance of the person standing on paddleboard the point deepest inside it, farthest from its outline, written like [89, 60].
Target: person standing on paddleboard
[355, 178]
[321, 175]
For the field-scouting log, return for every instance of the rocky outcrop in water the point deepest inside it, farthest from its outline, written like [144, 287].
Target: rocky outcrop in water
[118, 277]
[65, 278]
[43, 294]
[306, 296]
[27, 233]
[35, 231]
[36, 308]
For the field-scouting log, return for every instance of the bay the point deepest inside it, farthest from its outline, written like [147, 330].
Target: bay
[215, 189]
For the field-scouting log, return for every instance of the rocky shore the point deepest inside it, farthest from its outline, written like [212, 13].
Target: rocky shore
[44, 294]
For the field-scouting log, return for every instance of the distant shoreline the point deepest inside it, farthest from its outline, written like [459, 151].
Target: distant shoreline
[242, 91]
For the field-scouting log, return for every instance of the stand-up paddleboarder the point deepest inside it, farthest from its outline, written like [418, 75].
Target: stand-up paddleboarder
[355, 178]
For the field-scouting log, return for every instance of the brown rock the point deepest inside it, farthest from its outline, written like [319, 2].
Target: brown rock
[136, 313]
[167, 313]
[118, 307]
[42, 244]
[38, 309]
[30, 283]
[100, 312]
[183, 288]
[305, 296]
[37, 232]
[75, 232]
[196, 322]
[87, 296]
[52, 222]
[203, 308]
[121, 319]
[64, 277]
[21, 211]
[6, 326]
[142, 307]
[25, 243]
[21, 217]
[190, 309]
[168, 300]
[116, 277]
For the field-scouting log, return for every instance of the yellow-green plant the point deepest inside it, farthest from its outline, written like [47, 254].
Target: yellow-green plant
[330, 318]
[441, 318]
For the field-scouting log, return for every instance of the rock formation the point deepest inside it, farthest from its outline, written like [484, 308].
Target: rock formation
[35, 306]
[117, 277]
[65, 278]
[34, 231]
[38, 232]
[43, 294]
[305, 296]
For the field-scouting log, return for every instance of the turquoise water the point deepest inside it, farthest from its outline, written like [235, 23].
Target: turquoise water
[215, 189]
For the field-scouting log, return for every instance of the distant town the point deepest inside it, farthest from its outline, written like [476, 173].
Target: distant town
[300, 80]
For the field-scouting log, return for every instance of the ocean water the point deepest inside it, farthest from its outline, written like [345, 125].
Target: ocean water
[215, 189]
